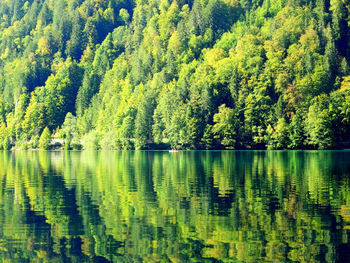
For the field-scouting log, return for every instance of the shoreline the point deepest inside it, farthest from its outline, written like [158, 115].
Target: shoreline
[184, 150]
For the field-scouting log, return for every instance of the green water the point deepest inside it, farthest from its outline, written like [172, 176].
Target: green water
[238, 206]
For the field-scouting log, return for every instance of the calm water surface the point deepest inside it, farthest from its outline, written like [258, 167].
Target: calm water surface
[233, 206]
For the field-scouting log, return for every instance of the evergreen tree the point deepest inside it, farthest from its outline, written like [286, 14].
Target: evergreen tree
[130, 71]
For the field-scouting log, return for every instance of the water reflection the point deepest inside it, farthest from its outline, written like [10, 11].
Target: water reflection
[239, 206]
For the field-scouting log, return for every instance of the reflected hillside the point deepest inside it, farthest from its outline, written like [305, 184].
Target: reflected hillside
[233, 206]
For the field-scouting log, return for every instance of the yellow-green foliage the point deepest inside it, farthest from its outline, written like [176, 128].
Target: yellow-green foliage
[159, 71]
[45, 139]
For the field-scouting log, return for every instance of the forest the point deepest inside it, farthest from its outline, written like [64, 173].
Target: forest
[182, 74]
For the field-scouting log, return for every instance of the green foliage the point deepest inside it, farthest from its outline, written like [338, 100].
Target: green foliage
[6, 144]
[109, 141]
[318, 124]
[68, 130]
[225, 127]
[126, 132]
[296, 132]
[208, 137]
[124, 15]
[45, 139]
[34, 142]
[122, 74]
[90, 141]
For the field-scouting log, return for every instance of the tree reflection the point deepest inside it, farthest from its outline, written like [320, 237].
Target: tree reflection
[231, 206]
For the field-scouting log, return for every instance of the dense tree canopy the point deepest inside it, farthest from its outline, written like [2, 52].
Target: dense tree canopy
[194, 74]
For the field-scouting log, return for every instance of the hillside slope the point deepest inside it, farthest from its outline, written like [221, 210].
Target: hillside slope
[194, 74]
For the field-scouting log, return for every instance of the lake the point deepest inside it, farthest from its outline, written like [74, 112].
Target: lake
[149, 206]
